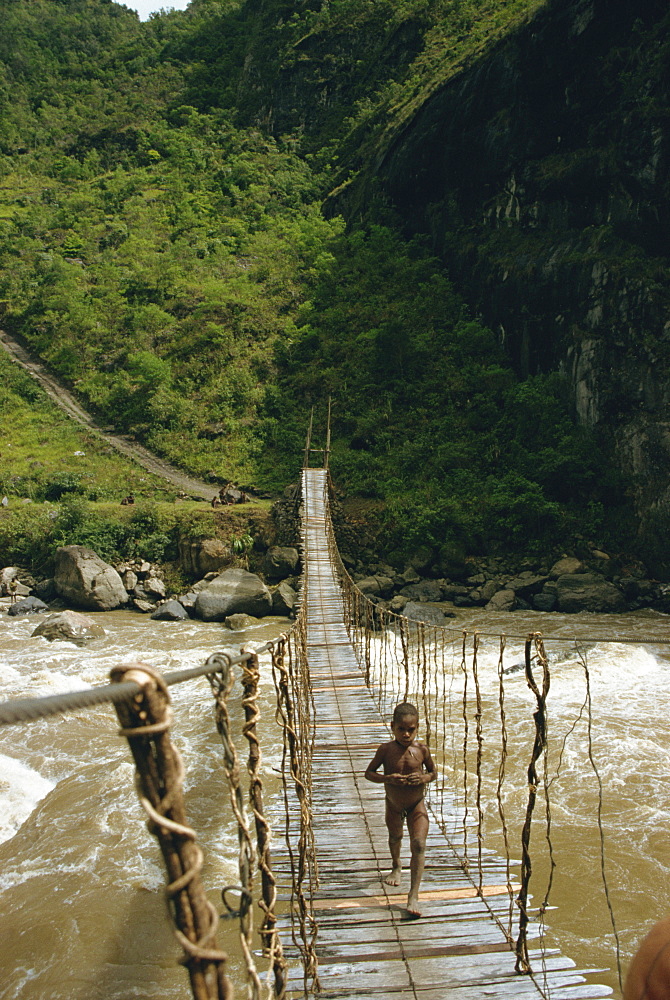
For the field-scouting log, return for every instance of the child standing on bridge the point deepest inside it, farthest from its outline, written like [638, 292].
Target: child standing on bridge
[407, 769]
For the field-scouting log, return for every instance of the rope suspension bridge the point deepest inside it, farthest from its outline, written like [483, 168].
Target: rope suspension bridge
[312, 865]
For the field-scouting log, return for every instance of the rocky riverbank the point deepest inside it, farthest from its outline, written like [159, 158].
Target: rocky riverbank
[238, 587]
[82, 581]
[568, 585]
[234, 595]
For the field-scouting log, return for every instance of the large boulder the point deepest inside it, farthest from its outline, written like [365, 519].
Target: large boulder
[28, 606]
[587, 592]
[235, 591]
[7, 574]
[425, 590]
[205, 555]
[170, 611]
[527, 585]
[545, 601]
[45, 589]
[237, 623]
[10, 583]
[380, 586]
[281, 561]
[284, 599]
[188, 600]
[69, 626]
[82, 578]
[423, 613]
[503, 600]
[565, 565]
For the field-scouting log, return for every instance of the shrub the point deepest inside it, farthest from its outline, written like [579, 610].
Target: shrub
[59, 484]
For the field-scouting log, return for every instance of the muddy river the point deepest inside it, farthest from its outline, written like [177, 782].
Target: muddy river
[82, 915]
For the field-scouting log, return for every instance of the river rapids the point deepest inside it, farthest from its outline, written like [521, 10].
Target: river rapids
[82, 913]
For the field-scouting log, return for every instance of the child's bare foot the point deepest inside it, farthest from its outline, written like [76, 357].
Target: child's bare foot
[393, 877]
[413, 906]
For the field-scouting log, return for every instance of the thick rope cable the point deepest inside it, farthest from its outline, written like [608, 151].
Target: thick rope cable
[466, 731]
[268, 930]
[301, 904]
[479, 736]
[221, 680]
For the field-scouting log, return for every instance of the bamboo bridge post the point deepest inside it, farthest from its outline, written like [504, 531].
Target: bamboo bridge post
[145, 721]
[268, 929]
[326, 455]
[308, 444]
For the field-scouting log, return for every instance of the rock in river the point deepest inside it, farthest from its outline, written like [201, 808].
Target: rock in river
[423, 613]
[69, 626]
[588, 592]
[170, 611]
[281, 561]
[28, 606]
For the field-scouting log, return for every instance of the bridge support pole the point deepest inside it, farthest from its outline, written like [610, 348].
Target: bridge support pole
[145, 721]
[268, 928]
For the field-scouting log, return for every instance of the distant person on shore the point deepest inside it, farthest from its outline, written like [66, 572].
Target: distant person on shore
[13, 587]
[649, 972]
[407, 769]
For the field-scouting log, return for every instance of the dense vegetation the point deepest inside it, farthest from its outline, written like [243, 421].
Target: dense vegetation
[163, 248]
[62, 485]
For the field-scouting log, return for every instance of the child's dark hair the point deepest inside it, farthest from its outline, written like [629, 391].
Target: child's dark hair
[405, 708]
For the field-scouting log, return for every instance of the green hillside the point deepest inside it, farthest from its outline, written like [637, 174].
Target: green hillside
[163, 247]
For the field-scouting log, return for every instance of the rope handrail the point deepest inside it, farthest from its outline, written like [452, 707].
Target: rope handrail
[407, 660]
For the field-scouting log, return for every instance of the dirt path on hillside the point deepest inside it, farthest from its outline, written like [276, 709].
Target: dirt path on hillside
[131, 449]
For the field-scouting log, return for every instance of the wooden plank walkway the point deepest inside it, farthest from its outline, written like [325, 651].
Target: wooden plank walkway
[367, 944]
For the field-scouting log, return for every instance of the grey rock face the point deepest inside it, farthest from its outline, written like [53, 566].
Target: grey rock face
[281, 561]
[546, 601]
[205, 555]
[568, 564]
[69, 626]
[28, 606]
[238, 622]
[426, 590]
[381, 586]
[284, 599]
[587, 592]
[235, 591]
[82, 578]
[423, 613]
[171, 611]
[10, 583]
[504, 600]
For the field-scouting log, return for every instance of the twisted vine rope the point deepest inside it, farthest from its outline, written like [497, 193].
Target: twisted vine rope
[145, 722]
[295, 717]
[221, 681]
[539, 745]
[268, 930]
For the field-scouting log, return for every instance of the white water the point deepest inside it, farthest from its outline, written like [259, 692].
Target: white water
[82, 915]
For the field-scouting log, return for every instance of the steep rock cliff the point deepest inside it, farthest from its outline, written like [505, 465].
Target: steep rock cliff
[540, 172]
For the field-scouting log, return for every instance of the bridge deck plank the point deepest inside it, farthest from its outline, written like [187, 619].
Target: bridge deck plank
[368, 945]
